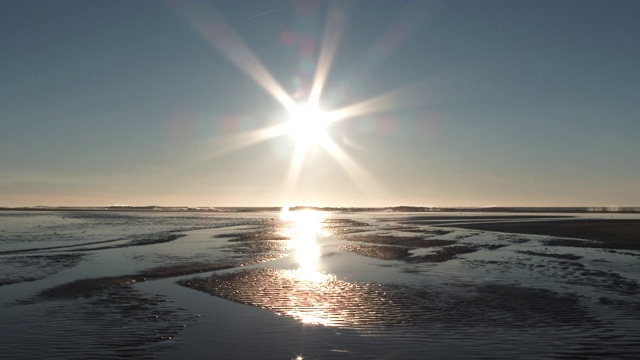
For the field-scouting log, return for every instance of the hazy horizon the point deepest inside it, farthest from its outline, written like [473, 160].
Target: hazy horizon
[457, 103]
[346, 209]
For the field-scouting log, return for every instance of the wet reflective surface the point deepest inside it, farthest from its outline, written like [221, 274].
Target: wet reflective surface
[310, 284]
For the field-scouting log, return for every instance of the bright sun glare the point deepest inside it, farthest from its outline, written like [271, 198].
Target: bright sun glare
[308, 125]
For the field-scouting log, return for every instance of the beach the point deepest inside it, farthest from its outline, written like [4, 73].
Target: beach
[313, 284]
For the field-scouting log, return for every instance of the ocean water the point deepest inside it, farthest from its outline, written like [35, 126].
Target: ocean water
[310, 285]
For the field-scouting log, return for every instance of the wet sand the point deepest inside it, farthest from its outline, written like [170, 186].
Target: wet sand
[611, 234]
[357, 287]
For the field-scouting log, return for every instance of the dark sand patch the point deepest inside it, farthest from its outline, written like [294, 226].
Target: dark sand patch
[610, 234]
[266, 234]
[465, 236]
[446, 253]
[253, 247]
[573, 243]
[410, 241]
[442, 220]
[158, 239]
[551, 255]
[528, 306]
[256, 242]
[427, 232]
[403, 253]
[379, 252]
[399, 247]
[140, 240]
[566, 272]
[85, 288]
[516, 240]
[17, 269]
[400, 228]
[629, 308]
[344, 226]
[610, 281]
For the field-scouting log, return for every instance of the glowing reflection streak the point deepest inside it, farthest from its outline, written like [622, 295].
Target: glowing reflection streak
[213, 28]
[305, 227]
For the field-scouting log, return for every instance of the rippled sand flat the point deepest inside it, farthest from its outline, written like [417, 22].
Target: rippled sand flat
[318, 285]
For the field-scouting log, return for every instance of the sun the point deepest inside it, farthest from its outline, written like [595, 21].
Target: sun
[307, 125]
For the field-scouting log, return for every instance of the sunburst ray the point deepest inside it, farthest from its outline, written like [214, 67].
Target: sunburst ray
[214, 28]
[334, 26]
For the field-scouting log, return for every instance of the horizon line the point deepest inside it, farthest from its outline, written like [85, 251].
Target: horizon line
[396, 208]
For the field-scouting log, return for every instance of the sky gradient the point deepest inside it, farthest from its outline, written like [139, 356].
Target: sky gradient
[484, 103]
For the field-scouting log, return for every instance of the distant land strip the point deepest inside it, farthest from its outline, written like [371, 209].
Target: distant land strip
[629, 210]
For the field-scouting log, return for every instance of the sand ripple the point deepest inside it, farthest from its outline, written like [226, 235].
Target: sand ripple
[116, 323]
[330, 301]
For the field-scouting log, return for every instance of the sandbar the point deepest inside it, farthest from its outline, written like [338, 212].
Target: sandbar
[610, 234]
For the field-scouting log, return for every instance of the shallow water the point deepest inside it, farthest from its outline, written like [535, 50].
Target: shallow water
[98, 284]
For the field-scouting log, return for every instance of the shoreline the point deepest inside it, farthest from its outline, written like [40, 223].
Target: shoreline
[335, 209]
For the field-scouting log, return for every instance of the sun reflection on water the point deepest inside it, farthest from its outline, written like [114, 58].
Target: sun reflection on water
[304, 227]
[303, 291]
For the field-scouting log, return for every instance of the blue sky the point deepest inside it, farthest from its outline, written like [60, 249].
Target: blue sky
[508, 103]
